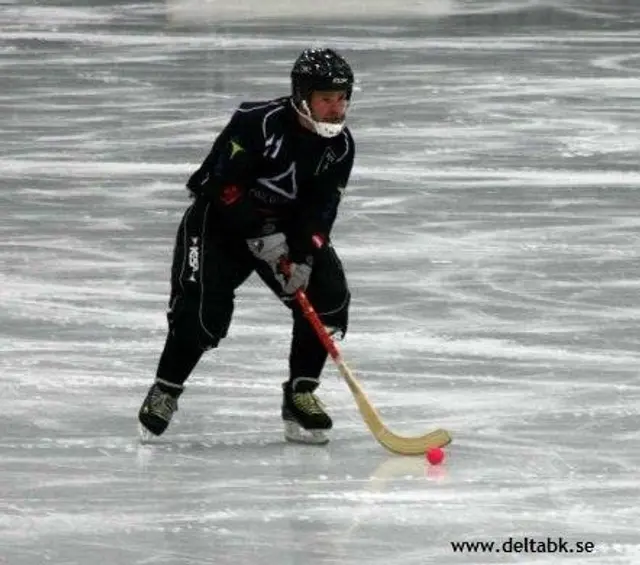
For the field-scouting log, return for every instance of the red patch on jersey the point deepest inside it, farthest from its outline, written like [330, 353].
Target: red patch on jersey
[230, 194]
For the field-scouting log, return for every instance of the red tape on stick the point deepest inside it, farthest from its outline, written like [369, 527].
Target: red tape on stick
[311, 315]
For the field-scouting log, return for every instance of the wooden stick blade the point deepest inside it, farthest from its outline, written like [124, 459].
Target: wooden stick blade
[401, 445]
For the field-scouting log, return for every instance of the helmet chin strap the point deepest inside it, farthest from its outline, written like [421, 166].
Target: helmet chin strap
[323, 129]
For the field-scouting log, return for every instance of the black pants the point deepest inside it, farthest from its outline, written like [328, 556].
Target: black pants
[208, 266]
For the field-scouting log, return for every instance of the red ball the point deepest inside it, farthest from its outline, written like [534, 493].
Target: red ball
[435, 455]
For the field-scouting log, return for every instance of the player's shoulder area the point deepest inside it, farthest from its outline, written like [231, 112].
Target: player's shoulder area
[349, 137]
[258, 110]
[344, 145]
[261, 116]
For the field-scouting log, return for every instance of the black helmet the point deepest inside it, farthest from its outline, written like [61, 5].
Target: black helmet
[319, 69]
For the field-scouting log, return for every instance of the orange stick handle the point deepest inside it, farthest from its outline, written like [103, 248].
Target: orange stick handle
[312, 316]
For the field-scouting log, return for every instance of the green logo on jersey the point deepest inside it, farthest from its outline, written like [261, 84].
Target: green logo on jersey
[235, 148]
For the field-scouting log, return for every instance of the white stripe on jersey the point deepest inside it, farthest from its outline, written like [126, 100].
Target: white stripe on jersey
[347, 146]
[267, 116]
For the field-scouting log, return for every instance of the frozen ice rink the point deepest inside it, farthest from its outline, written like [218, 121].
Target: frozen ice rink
[491, 235]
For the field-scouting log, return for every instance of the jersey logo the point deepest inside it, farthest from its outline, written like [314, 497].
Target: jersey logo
[194, 258]
[328, 158]
[272, 147]
[235, 148]
[284, 184]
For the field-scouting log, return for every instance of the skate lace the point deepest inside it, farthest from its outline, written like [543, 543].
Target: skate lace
[308, 403]
[163, 404]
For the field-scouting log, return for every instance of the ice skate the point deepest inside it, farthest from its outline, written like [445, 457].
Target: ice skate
[305, 420]
[158, 408]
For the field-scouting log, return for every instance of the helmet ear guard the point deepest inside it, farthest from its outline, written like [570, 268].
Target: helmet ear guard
[324, 70]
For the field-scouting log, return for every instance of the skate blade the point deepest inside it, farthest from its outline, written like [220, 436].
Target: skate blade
[145, 435]
[297, 434]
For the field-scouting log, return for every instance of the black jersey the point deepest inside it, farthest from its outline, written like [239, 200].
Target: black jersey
[267, 173]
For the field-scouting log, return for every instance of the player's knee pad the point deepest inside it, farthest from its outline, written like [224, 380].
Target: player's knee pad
[333, 311]
[204, 322]
[338, 317]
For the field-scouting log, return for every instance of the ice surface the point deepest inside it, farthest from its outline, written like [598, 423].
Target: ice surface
[491, 238]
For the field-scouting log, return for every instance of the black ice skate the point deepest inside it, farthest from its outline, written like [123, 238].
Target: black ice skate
[158, 408]
[305, 420]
